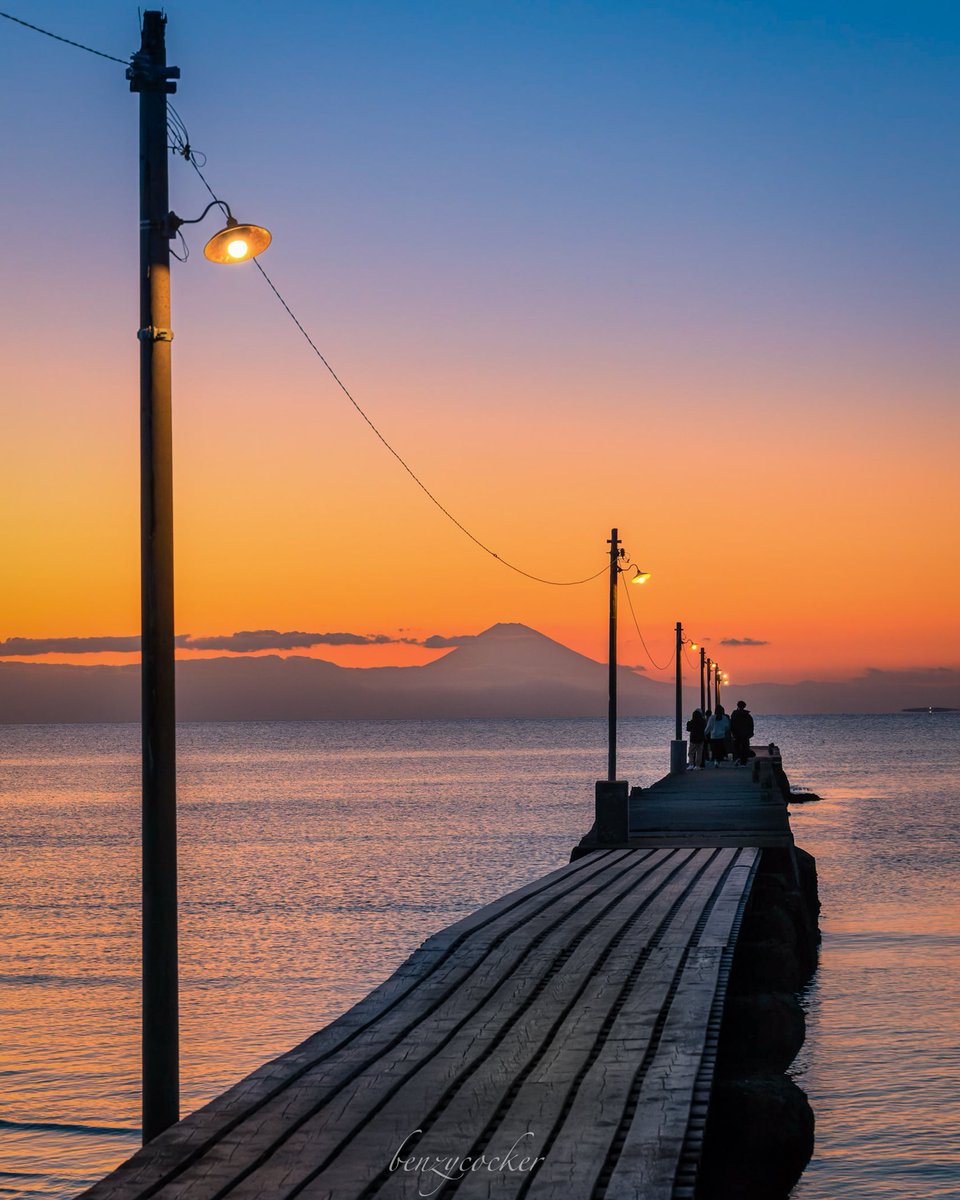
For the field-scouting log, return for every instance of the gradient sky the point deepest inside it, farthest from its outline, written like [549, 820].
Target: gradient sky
[687, 268]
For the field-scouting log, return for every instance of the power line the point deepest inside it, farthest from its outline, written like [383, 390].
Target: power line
[640, 635]
[124, 62]
[396, 454]
[406, 466]
[181, 140]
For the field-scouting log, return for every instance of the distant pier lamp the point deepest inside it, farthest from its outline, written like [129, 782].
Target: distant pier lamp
[235, 243]
[619, 564]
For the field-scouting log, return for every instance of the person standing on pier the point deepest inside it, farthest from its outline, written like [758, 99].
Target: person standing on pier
[717, 729]
[697, 728]
[741, 726]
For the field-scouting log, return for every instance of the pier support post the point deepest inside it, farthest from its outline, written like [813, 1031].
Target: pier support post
[612, 824]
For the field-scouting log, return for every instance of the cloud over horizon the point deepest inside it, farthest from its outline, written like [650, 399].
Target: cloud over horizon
[21, 647]
[437, 642]
[745, 641]
[247, 641]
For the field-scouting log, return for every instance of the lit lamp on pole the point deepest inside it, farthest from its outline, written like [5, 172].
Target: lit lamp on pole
[152, 79]
[617, 565]
[235, 243]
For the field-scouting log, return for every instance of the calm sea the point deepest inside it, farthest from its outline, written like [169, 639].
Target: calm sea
[316, 856]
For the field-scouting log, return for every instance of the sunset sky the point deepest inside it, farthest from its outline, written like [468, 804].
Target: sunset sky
[691, 269]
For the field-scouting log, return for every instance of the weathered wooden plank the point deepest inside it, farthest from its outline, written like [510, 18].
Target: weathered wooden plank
[587, 1139]
[592, 1115]
[348, 1085]
[646, 1165]
[575, 1009]
[374, 1111]
[554, 1051]
[438, 963]
[717, 930]
[553, 1086]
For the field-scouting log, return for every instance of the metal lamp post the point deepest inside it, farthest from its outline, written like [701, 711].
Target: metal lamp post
[616, 553]
[703, 694]
[150, 76]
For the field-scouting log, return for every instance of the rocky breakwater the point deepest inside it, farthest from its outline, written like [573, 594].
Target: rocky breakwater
[760, 1126]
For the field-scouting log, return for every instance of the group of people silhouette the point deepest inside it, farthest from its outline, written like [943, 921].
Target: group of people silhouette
[714, 736]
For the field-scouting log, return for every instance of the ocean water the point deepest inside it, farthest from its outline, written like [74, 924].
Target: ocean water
[315, 856]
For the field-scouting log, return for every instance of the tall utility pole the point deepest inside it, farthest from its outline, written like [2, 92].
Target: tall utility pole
[612, 659]
[703, 695]
[679, 734]
[150, 76]
[716, 682]
[709, 678]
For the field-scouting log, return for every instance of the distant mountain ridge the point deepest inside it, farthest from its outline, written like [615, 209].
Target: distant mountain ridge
[509, 670]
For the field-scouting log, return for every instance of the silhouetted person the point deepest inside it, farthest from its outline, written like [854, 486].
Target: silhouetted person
[717, 729]
[697, 728]
[741, 727]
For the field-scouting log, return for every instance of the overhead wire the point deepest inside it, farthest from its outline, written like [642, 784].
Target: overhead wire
[396, 454]
[177, 130]
[640, 635]
[124, 62]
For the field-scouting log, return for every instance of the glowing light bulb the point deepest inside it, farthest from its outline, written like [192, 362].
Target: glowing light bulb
[237, 243]
[641, 576]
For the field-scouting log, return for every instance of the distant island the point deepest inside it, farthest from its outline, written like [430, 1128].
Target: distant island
[930, 708]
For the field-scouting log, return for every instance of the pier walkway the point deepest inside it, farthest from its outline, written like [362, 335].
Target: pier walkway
[559, 1042]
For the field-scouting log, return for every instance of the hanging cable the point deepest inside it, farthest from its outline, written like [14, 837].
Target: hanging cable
[124, 62]
[181, 144]
[403, 463]
[640, 635]
[409, 470]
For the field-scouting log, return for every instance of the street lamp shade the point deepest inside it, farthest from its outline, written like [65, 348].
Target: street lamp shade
[237, 243]
[641, 576]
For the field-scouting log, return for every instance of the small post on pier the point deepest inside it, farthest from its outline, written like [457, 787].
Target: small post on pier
[612, 659]
[678, 747]
[703, 695]
[150, 76]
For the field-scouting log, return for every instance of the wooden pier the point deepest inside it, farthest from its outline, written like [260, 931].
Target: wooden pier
[559, 1042]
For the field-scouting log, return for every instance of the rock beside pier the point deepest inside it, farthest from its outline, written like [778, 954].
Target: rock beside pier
[760, 1127]
[759, 1138]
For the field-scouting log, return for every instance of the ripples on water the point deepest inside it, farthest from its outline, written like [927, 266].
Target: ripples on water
[316, 856]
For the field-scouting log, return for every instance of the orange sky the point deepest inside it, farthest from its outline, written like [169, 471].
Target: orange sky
[755, 380]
